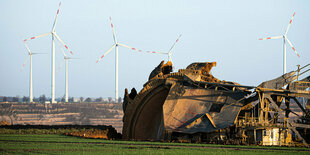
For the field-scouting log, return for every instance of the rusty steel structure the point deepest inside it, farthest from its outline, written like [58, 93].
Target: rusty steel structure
[191, 105]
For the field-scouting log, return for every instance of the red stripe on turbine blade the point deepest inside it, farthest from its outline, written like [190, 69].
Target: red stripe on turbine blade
[294, 14]
[71, 52]
[293, 48]
[97, 61]
[133, 48]
[66, 46]
[290, 21]
[269, 38]
[298, 55]
[102, 56]
[260, 39]
[140, 50]
[111, 25]
[25, 40]
[177, 40]
[32, 37]
[153, 52]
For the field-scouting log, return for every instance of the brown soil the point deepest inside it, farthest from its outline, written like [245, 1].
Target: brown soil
[97, 133]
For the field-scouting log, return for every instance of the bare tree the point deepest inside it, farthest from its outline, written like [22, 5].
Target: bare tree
[99, 99]
[88, 99]
[42, 98]
[70, 99]
[25, 99]
[15, 99]
[120, 100]
[5, 99]
[110, 99]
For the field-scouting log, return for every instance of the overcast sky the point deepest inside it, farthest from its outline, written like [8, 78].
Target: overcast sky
[223, 31]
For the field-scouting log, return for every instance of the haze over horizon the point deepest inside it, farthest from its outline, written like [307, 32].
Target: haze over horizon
[226, 32]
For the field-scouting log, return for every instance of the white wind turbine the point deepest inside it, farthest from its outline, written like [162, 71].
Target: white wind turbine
[54, 35]
[116, 44]
[29, 57]
[285, 39]
[66, 58]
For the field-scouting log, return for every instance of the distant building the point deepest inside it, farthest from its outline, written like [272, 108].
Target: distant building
[75, 99]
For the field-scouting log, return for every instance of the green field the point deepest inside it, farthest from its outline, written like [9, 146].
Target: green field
[60, 144]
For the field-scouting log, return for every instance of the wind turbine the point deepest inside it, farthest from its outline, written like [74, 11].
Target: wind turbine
[54, 35]
[66, 58]
[116, 44]
[285, 39]
[30, 74]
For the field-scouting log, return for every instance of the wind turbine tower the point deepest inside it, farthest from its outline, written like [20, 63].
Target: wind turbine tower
[66, 58]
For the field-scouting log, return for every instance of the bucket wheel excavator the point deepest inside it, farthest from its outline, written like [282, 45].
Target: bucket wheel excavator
[191, 105]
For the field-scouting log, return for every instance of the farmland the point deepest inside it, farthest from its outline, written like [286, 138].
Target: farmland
[84, 113]
[55, 144]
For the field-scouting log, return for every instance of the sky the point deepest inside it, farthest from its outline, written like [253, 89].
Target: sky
[223, 31]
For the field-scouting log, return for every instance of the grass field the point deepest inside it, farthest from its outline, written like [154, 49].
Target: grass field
[60, 144]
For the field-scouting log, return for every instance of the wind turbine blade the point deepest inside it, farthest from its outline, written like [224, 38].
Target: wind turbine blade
[175, 43]
[135, 49]
[292, 47]
[156, 52]
[25, 62]
[169, 52]
[29, 52]
[62, 50]
[106, 53]
[58, 38]
[37, 53]
[289, 24]
[42, 35]
[114, 35]
[59, 68]
[132, 48]
[72, 58]
[277, 37]
[53, 29]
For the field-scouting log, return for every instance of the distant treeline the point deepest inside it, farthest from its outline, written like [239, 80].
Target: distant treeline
[44, 99]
